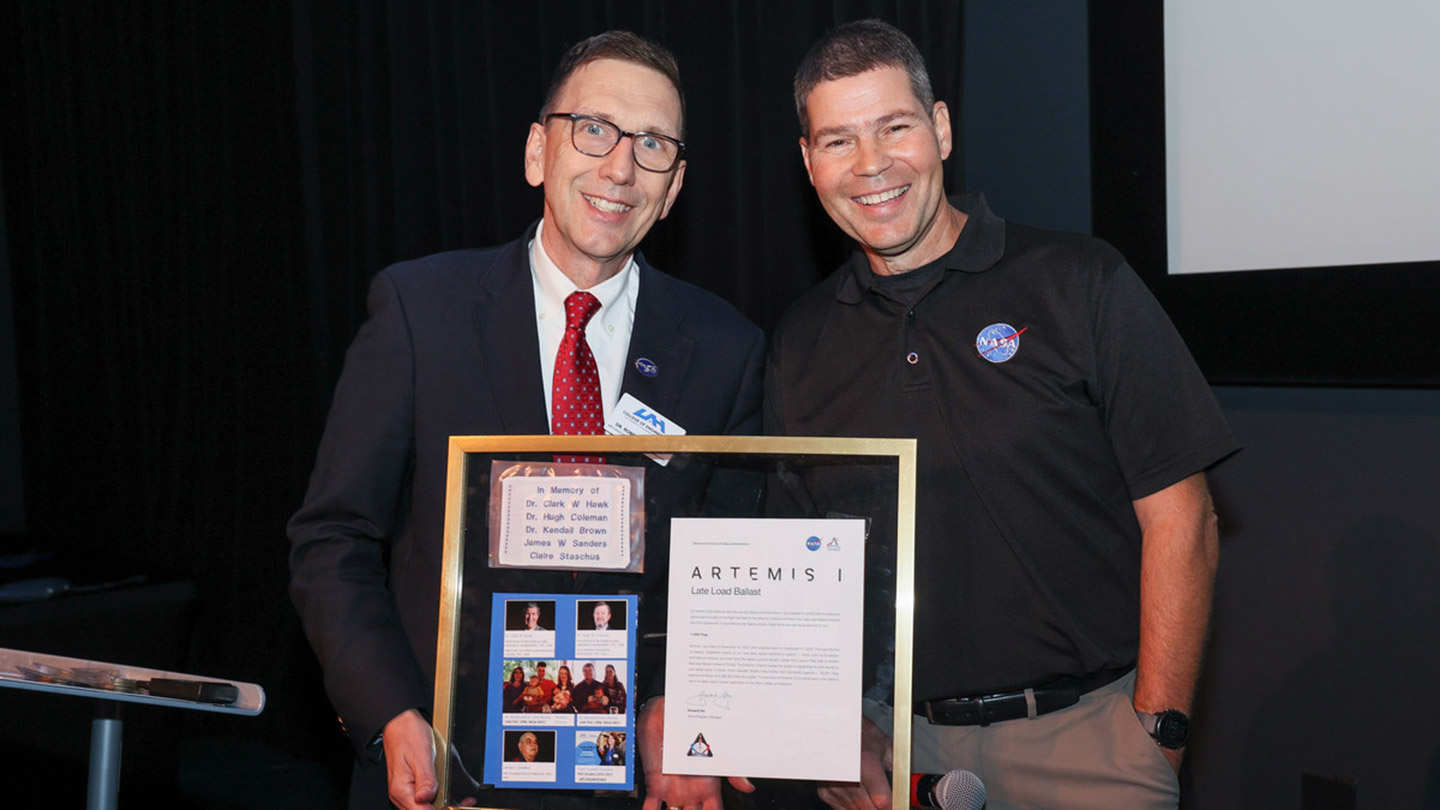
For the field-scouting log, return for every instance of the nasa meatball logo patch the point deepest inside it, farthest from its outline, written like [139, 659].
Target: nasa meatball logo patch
[998, 342]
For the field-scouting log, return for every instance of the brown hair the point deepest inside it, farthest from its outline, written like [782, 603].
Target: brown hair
[624, 46]
[855, 48]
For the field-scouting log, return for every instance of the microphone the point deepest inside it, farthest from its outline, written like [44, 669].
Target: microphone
[956, 790]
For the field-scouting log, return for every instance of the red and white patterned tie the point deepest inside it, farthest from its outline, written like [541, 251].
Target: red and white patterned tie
[576, 407]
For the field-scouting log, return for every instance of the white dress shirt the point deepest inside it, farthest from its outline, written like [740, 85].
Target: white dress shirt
[608, 331]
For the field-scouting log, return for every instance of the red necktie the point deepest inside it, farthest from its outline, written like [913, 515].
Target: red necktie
[576, 408]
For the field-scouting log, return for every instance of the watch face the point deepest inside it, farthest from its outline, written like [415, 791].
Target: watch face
[1172, 728]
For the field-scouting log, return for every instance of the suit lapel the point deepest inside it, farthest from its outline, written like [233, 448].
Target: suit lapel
[509, 347]
[657, 344]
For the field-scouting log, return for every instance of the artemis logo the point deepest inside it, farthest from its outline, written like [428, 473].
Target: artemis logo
[645, 415]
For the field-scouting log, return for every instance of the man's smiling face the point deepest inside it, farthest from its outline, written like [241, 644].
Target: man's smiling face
[597, 209]
[876, 158]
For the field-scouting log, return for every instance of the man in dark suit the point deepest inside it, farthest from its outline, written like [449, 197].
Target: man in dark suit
[469, 343]
[601, 618]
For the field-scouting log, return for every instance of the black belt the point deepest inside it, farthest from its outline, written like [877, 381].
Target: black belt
[987, 709]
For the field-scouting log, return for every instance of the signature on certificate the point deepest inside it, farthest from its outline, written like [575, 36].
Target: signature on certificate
[720, 700]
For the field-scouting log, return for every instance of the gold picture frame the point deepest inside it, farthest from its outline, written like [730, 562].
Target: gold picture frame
[780, 458]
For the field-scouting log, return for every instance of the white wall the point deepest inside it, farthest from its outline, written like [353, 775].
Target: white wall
[1301, 134]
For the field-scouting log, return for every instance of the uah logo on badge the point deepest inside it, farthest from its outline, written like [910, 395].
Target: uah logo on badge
[635, 418]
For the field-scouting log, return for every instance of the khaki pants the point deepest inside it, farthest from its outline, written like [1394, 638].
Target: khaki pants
[1091, 756]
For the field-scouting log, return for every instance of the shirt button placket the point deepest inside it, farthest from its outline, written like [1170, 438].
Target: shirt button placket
[912, 357]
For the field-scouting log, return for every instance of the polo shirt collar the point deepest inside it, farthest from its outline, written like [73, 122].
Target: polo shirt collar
[978, 248]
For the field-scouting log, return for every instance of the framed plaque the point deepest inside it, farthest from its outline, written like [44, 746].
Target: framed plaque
[793, 570]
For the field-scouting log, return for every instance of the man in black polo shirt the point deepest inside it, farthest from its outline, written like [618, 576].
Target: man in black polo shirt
[1065, 544]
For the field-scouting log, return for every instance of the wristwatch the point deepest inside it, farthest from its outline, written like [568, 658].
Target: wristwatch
[1170, 728]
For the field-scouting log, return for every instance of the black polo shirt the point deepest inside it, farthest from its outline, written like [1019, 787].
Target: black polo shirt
[1048, 390]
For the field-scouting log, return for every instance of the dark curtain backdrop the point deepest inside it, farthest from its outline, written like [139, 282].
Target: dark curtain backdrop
[196, 194]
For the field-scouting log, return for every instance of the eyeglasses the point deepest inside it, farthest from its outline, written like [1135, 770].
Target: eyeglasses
[597, 137]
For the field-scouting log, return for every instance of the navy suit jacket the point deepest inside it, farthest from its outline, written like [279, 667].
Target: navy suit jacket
[450, 348]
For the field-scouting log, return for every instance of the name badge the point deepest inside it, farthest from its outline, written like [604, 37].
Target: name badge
[634, 418]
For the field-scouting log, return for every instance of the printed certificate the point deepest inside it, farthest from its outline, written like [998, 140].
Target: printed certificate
[762, 670]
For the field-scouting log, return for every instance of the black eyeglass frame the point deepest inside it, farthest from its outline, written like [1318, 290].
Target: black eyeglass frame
[576, 118]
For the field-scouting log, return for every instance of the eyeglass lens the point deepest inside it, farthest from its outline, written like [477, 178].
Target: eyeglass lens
[596, 138]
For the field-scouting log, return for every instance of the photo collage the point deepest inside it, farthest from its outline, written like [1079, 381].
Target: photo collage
[561, 714]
